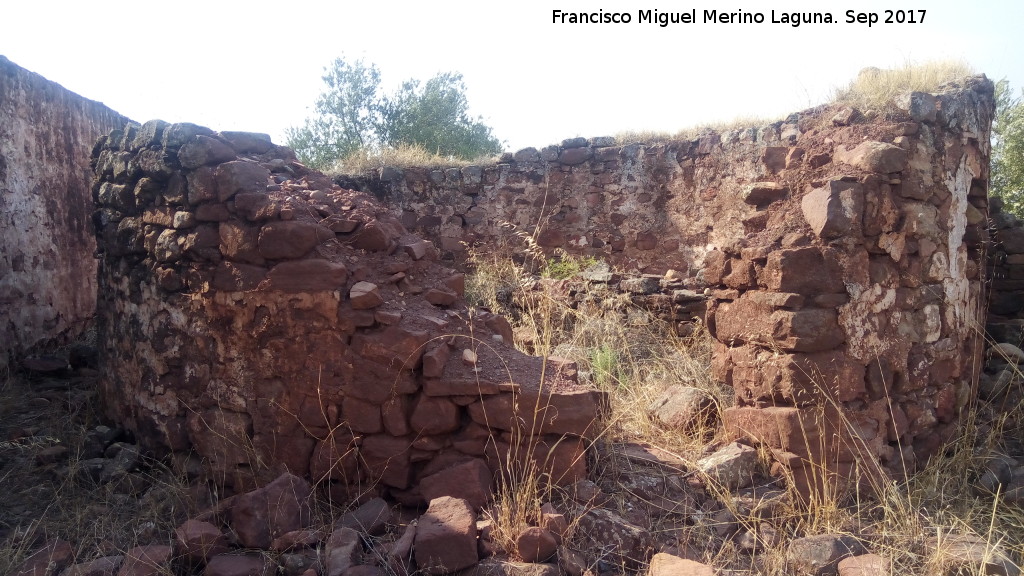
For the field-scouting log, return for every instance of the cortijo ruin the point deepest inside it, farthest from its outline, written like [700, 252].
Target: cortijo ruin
[279, 323]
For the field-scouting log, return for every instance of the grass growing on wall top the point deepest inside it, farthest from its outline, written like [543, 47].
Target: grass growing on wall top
[873, 89]
[876, 89]
[365, 160]
[656, 137]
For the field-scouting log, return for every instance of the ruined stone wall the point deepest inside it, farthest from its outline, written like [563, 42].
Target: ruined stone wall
[258, 314]
[843, 252]
[1006, 274]
[47, 268]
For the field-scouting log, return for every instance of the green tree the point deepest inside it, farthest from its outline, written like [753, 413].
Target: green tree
[347, 115]
[436, 117]
[351, 114]
[1007, 175]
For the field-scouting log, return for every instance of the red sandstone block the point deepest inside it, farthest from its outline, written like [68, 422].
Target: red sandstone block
[268, 512]
[307, 276]
[668, 565]
[471, 481]
[742, 275]
[151, 560]
[396, 347]
[198, 541]
[873, 156]
[374, 236]
[336, 458]
[395, 415]
[365, 295]
[445, 540]
[434, 360]
[559, 460]
[291, 239]
[807, 330]
[865, 565]
[798, 378]
[361, 416]
[575, 412]
[387, 458]
[834, 210]
[239, 176]
[818, 433]
[805, 271]
[434, 415]
[204, 151]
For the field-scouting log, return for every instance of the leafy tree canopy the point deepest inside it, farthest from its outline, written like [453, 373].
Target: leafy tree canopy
[1007, 176]
[352, 114]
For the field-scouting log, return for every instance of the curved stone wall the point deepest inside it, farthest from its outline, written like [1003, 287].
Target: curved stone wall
[258, 314]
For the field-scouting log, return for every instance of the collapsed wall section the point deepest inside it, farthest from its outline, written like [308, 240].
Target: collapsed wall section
[256, 313]
[843, 252]
[47, 268]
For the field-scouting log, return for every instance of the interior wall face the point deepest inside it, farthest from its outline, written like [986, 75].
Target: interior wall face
[47, 266]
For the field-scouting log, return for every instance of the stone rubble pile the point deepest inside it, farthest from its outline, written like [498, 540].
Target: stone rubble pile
[271, 531]
[650, 511]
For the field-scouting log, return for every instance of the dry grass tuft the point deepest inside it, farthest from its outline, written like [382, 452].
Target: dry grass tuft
[642, 137]
[634, 357]
[363, 160]
[876, 89]
[62, 500]
[652, 137]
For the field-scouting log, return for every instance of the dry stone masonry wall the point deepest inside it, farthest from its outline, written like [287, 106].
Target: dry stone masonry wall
[843, 252]
[47, 269]
[258, 314]
[267, 317]
[1006, 271]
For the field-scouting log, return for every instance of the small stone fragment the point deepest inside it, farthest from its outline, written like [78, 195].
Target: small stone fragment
[1008, 351]
[615, 538]
[342, 551]
[199, 541]
[535, 544]
[365, 295]
[439, 297]
[446, 536]
[819, 555]
[668, 565]
[370, 518]
[554, 521]
[684, 407]
[733, 466]
[865, 565]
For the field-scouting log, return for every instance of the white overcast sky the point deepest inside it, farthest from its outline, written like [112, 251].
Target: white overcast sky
[256, 65]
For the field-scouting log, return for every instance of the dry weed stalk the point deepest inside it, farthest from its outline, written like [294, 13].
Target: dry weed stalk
[635, 360]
